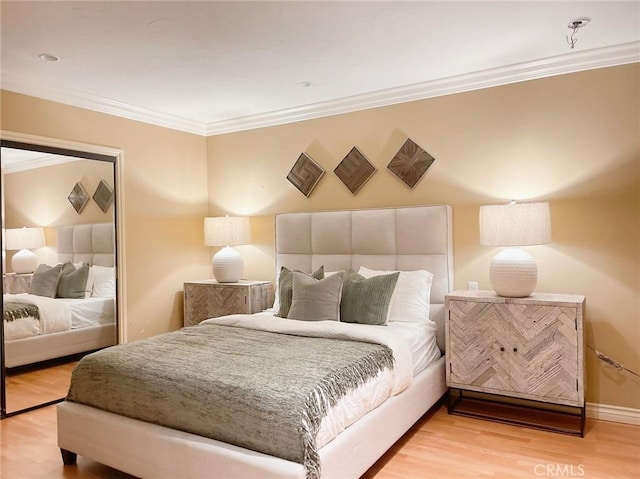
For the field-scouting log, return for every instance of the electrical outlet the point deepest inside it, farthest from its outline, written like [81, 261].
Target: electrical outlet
[473, 285]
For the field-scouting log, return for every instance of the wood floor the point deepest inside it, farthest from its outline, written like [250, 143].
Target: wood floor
[28, 387]
[440, 446]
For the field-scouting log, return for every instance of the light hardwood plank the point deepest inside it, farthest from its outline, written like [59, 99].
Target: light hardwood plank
[27, 388]
[439, 446]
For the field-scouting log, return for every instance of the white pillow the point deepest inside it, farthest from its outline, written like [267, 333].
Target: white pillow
[331, 273]
[104, 281]
[410, 300]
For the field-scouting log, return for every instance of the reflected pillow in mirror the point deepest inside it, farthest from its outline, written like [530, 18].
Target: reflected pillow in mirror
[44, 281]
[73, 281]
[104, 281]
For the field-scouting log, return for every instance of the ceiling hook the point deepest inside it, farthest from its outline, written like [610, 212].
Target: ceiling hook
[575, 25]
[572, 41]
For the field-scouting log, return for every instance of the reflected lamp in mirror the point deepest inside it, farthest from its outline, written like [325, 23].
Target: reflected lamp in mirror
[227, 231]
[513, 272]
[24, 240]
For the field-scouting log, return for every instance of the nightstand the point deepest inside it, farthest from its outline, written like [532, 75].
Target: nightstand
[528, 348]
[16, 283]
[210, 299]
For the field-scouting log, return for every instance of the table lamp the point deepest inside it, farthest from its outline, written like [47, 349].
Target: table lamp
[24, 240]
[513, 272]
[227, 231]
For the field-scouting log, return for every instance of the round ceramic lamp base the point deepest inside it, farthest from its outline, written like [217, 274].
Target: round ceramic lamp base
[24, 261]
[227, 265]
[513, 273]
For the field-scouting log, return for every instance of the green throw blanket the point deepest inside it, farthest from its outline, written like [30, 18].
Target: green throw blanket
[259, 390]
[13, 311]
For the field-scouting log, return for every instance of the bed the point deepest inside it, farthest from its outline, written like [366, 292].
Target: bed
[383, 240]
[39, 328]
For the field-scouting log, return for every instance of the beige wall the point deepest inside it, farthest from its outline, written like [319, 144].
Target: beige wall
[38, 197]
[572, 140]
[165, 195]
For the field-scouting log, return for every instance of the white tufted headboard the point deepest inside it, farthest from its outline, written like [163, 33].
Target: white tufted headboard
[88, 243]
[401, 239]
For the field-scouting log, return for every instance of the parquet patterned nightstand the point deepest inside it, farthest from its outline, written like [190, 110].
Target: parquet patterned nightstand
[527, 348]
[15, 283]
[210, 299]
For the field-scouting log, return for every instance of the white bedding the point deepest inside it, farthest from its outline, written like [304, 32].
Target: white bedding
[91, 311]
[58, 314]
[412, 345]
[21, 328]
[421, 338]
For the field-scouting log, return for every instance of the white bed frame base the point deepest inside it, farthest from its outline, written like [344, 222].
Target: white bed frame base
[34, 349]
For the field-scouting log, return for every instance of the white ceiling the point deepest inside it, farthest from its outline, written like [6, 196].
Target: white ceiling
[212, 67]
[14, 160]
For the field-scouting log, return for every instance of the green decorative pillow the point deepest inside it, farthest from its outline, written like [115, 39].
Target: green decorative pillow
[44, 281]
[366, 300]
[73, 281]
[315, 299]
[285, 288]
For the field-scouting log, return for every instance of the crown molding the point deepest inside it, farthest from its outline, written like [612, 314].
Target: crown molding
[567, 63]
[31, 87]
[40, 162]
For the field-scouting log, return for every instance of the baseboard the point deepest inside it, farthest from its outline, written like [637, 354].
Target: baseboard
[605, 412]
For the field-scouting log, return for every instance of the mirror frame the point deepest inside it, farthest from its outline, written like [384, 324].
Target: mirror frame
[92, 152]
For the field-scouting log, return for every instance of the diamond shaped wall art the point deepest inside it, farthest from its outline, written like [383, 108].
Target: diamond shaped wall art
[410, 163]
[354, 170]
[78, 197]
[305, 174]
[103, 196]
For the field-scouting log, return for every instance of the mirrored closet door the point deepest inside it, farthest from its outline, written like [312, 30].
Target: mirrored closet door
[58, 266]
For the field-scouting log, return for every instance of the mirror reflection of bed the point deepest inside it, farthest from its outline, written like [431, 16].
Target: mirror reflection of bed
[43, 337]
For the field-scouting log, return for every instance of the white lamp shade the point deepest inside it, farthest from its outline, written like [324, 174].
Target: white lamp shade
[515, 224]
[513, 272]
[227, 231]
[24, 238]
